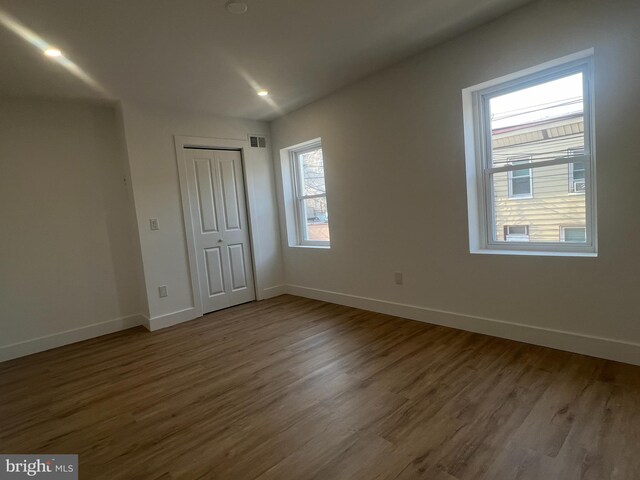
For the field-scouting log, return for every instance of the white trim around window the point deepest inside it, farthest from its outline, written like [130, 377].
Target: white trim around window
[305, 201]
[481, 168]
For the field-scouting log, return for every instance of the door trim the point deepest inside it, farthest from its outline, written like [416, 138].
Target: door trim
[182, 142]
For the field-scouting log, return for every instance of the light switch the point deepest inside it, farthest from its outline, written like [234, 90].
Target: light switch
[162, 290]
[154, 224]
[398, 278]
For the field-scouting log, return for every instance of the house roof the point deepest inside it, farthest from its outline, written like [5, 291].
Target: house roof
[546, 123]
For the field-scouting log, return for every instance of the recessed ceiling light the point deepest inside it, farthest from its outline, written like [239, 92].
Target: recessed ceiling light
[236, 7]
[263, 93]
[53, 52]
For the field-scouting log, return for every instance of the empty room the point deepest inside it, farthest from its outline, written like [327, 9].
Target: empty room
[312, 239]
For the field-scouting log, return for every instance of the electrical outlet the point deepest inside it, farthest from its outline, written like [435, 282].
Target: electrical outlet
[153, 222]
[398, 278]
[162, 290]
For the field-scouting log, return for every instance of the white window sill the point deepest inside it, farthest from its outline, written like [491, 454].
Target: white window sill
[533, 253]
[321, 247]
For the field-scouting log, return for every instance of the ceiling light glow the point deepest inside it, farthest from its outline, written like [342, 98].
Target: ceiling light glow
[263, 93]
[29, 36]
[53, 52]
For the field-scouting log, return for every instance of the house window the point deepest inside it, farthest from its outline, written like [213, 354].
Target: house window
[573, 234]
[516, 233]
[577, 175]
[528, 135]
[520, 181]
[310, 195]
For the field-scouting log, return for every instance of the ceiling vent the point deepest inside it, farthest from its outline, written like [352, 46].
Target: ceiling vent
[256, 141]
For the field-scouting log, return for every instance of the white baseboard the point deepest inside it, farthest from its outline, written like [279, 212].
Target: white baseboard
[170, 319]
[601, 347]
[40, 344]
[612, 349]
[274, 291]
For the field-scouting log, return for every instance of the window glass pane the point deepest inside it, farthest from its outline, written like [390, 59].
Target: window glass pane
[575, 234]
[316, 219]
[543, 122]
[578, 170]
[312, 172]
[525, 172]
[521, 186]
[549, 207]
[517, 230]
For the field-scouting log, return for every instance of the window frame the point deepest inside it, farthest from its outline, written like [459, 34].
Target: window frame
[478, 149]
[299, 198]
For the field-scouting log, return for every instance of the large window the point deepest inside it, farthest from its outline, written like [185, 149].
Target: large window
[540, 120]
[312, 216]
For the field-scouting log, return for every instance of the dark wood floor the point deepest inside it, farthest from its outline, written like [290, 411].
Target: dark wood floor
[292, 388]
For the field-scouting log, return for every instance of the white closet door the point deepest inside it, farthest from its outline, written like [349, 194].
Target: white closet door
[219, 219]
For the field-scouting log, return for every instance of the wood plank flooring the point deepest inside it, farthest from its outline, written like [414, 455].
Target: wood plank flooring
[291, 388]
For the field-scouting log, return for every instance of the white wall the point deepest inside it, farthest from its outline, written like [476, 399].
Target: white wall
[152, 157]
[395, 167]
[68, 263]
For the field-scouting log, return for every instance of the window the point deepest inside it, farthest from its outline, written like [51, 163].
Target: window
[516, 233]
[520, 181]
[573, 234]
[577, 177]
[311, 215]
[539, 119]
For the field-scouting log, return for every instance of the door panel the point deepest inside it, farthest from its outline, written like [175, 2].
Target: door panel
[238, 268]
[220, 227]
[213, 265]
[206, 202]
[230, 195]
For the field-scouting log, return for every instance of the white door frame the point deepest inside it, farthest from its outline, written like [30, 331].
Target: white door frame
[247, 154]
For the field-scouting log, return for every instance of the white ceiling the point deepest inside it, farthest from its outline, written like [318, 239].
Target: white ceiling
[193, 55]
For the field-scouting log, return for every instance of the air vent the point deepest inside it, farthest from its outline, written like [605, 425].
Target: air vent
[257, 141]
